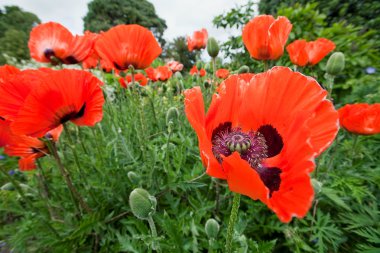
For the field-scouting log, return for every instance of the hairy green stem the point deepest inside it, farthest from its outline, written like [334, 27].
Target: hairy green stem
[231, 224]
[155, 246]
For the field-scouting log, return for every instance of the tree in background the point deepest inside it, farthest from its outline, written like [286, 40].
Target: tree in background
[177, 50]
[104, 14]
[15, 26]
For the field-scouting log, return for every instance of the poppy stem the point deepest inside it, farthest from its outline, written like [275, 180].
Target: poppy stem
[266, 65]
[132, 69]
[67, 177]
[231, 224]
[330, 83]
[155, 246]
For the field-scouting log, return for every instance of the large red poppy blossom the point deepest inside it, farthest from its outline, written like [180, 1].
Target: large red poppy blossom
[265, 37]
[126, 45]
[6, 71]
[63, 95]
[198, 41]
[52, 42]
[161, 73]
[222, 73]
[174, 66]
[5, 132]
[29, 149]
[92, 60]
[302, 53]
[261, 133]
[194, 71]
[360, 118]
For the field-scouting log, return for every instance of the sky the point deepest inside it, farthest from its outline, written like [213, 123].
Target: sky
[182, 17]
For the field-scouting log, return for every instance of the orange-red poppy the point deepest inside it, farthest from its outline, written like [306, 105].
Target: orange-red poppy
[261, 133]
[5, 132]
[302, 53]
[222, 73]
[6, 71]
[92, 59]
[198, 41]
[29, 148]
[194, 71]
[360, 118]
[174, 66]
[61, 96]
[265, 37]
[161, 73]
[52, 42]
[139, 77]
[126, 45]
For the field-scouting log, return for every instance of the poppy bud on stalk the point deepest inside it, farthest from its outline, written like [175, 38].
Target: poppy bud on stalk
[243, 69]
[142, 204]
[133, 177]
[172, 115]
[335, 64]
[212, 47]
[212, 228]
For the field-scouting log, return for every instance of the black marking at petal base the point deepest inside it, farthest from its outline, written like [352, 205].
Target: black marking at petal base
[73, 114]
[272, 138]
[218, 140]
[70, 60]
[120, 67]
[271, 178]
[49, 53]
[1, 118]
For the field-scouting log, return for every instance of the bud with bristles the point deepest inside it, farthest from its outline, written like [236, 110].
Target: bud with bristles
[212, 228]
[335, 64]
[212, 47]
[133, 177]
[142, 204]
[243, 69]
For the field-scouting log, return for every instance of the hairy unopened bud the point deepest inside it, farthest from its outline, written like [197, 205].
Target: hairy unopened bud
[135, 179]
[172, 115]
[243, 69]
[316, 185]
[335, 64]
[7, 187]
[142, 204]
[178, 75]
[212, 228]
[212, 47]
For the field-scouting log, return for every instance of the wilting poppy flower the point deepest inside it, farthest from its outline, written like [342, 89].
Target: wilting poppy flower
[125, 45]
[302, 53]
[174, 66]
[52, 42]
[198, 41]
[222, 73]
[194, 71]
[360, 118]
[161, 73]
[63, 95]
[6, 71]
[265, 37]
[139, 77]
[261, 133]
[29, 148]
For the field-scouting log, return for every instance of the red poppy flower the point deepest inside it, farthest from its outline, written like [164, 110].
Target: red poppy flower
[194, 71]
[161, 73]
[302, 53]
[92, 59]
[61, 96]
[6, 71]
[51, 41]
[29, 148]
[5, 132]
[174, 66]
[126, 45]
[360, 118]
[265, 37]
[261, 133]
[139, 77]
[198, 41]
[15, 90]
[222, 73]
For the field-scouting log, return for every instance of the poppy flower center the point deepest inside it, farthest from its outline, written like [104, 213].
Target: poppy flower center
[253, 147]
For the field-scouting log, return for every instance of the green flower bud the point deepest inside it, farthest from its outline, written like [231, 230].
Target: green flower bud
[7, 187]
[243, 69]
[212, 47]
[212, 228]
[335, 64]
[172, 115]
[178, 75]
[135, 179]
[142, 204]
[316, 185]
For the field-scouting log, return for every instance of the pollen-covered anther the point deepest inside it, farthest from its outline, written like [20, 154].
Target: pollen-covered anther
[237, 141]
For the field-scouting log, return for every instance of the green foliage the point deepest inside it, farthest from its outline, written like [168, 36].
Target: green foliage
[177, 50]
[104, 14]
[15, 25]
